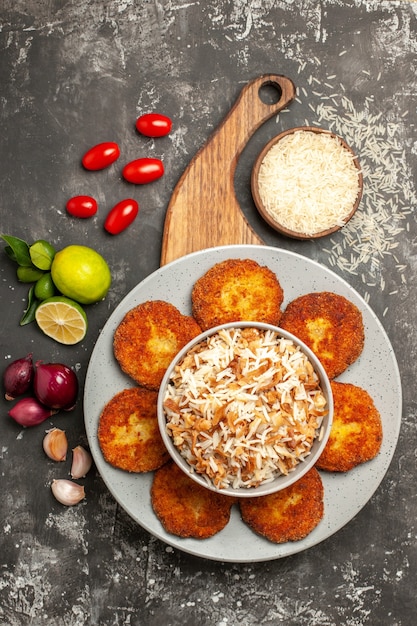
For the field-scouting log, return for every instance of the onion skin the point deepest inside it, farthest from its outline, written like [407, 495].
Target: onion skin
[17, 377]
[55, 385]
[30, 412]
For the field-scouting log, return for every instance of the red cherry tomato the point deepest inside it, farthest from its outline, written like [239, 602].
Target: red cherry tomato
[142, 171]
[121, 216]
[100, 156]
[153, 125]
[82, 206]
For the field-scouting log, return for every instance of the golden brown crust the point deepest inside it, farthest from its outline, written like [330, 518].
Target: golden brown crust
[330, 325]
[128, 431]
[356, 433]
[287, 515]
[185, 508]
[148, 338]
[237, 290]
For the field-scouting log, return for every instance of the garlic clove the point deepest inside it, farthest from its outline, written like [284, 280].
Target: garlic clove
[81, 462]
[67, 492]
[55, 444]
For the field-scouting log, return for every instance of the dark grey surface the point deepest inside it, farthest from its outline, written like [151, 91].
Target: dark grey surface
[75, 73]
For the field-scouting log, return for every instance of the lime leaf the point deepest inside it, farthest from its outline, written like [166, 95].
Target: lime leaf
[17, 250]
[42, 254]
[9, 251]
[29, 314]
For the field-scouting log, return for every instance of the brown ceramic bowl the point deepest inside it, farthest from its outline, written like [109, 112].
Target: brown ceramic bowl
[270, 219]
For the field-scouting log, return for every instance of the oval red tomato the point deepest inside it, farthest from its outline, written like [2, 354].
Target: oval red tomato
[100, 156]
[142, 171]
[153, 125]
[82, 206]
[121, 216]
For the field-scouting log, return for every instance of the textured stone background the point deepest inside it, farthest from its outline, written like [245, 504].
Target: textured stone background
[76, 72]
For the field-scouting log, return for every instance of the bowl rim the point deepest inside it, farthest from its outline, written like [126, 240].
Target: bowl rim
[257, 197]
[301, 468]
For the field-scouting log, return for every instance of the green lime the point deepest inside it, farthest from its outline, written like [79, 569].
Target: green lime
[28, 274]
[62, 319]
[44, 287]
[81, 273]
[42, 254]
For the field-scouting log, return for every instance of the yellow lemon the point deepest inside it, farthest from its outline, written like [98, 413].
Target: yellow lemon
[62, 319]
[81, 273]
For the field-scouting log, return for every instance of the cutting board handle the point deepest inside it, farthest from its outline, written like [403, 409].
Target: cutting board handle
[203, 211]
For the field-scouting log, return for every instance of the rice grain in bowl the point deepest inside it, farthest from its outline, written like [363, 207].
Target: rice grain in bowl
[307, 183]
[245, 409]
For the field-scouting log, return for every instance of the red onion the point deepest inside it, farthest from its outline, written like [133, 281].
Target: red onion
[17, 377]
[55, 385]
[30, 412]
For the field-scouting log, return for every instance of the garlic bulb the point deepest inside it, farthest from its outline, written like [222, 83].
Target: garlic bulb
[81, 462]
[55, 444]
[67, 492]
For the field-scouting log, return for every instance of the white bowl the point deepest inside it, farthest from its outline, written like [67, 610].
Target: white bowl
[281, 481]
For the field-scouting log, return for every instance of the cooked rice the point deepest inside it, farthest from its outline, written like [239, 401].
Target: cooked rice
[244, 406]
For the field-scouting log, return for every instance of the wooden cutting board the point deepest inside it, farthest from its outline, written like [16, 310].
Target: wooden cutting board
[203, 211]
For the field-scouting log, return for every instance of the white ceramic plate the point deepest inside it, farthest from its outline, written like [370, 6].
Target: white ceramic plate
[345, 494]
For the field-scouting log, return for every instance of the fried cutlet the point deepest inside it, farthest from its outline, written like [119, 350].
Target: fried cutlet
[356, 432]
[287, 515]
[185, 508]
[330, 325]
[148, 338]
[237, 290]
[128, 432]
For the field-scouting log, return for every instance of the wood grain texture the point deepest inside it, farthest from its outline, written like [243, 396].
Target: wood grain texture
[203, 211]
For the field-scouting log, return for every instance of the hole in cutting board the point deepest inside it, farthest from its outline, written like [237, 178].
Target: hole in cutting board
[270, 93]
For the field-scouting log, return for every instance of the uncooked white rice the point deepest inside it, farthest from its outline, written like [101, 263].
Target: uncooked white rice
[308, 182]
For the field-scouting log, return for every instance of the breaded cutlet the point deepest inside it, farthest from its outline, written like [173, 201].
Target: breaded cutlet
[237, 290]
[287, 515]
[128, 432]
[356, 432]
[185, 508]
[330, 325]
[148, 338]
